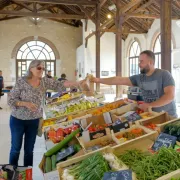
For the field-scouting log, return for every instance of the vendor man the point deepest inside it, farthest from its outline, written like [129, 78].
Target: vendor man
[157, 85]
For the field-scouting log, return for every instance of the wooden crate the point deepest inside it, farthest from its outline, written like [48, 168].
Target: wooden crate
[142, 144]
[56, 173]
[70, 162]
[152, 135]
[124, 109]
[174, 174]
[161, 127]
[160, 120]
[95, 142]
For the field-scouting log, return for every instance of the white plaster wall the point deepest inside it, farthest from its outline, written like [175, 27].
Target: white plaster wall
[107, 53]
[66, 39]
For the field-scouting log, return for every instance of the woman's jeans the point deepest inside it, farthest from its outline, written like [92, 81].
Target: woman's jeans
[28, 128]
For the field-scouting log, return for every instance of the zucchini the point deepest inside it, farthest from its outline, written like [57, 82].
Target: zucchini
[53, 161]
[48, 167]
[61, 144]
[77, 147]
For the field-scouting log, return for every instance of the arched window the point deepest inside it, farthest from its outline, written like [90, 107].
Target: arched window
[134, 58]
[35, 50]
[157, 51]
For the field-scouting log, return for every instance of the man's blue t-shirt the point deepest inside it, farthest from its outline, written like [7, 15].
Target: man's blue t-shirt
[152, 88]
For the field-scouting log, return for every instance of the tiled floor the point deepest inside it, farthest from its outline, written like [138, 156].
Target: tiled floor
[39, 146]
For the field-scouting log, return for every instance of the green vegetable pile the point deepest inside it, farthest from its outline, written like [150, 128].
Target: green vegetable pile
[131, 157]
[152, 167]
[91, 168]
[173, 129]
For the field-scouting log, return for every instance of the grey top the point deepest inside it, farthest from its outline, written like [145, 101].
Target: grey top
[152, 88]
[23, 91]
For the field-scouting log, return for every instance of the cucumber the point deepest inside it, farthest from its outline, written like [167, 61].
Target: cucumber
[77, 147]
[61, 144]
[48, 167]
[53, 161]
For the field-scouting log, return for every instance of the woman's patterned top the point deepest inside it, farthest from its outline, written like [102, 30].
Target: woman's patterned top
[23, 91]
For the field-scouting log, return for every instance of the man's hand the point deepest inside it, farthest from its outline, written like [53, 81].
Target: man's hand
[94, 79]
[144, 106]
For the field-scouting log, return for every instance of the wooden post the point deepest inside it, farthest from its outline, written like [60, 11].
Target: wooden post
[166, 34]
[119, 22]
[98, 8]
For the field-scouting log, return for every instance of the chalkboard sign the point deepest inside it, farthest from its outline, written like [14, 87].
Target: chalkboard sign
[118, 175]
[165, 140]
[65, 153]
[132, 116]
[120, 127]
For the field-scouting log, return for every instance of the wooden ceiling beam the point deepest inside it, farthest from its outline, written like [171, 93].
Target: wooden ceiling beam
[114, 30]
[23, 5]
[101, 27]
[129, 5]
[102, 2]
[68, 2]
[75, 10]
[87, 14]
[43, 15]
[141, 8]
[148, 16]
[44, 7]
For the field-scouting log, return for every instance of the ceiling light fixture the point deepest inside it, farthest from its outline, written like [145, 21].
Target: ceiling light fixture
[109, 16]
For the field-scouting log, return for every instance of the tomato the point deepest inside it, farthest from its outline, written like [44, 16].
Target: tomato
[101, 128]
[74, 127]
[66, 131]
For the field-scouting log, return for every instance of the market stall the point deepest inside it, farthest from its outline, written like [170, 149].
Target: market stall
[89, 139]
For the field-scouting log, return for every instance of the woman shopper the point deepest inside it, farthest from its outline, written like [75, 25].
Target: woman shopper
[26, 101]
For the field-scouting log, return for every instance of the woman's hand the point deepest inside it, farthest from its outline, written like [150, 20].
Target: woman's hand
[31, 106]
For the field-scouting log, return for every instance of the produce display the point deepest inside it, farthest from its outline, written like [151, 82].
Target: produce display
[151, 126]
[101, 144]
[72, 107]
[151, 167]
[107, 108]
[173, 129]
[80, 125]
[98, 127]
[61, 144]
[132, 134]
[93, 167]
[62, 155]
[61, 152]
[65, 97]
[58, 135]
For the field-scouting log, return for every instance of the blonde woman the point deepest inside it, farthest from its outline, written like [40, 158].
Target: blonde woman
[26, 99]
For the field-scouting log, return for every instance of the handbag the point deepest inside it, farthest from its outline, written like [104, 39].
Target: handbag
[10, 172]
